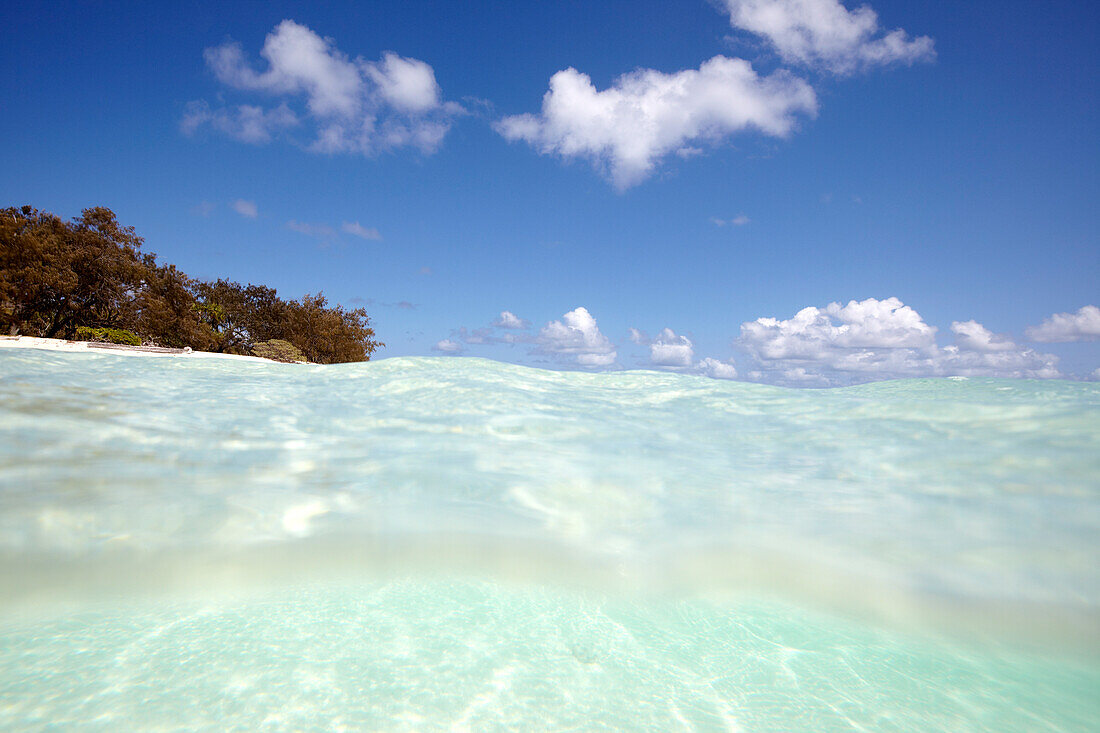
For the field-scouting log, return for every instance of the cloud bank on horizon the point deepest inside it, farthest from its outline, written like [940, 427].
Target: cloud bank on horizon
[1084, 325]
[833, 345]
[351, 105]
[878, 339]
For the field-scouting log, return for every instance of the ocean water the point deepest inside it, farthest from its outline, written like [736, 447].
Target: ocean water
[460, 544]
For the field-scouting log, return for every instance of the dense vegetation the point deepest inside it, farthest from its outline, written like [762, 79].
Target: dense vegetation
[89, 278]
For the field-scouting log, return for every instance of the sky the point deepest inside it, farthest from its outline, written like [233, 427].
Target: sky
[799, 192]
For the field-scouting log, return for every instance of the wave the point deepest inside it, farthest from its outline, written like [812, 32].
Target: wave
[460, 543]
[939, 492]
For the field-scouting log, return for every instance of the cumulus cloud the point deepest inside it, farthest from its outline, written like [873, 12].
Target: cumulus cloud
[407, 84]
[816, 332]
[976, 337]
[246, 209]
[1084, 325]
[577, 335]
[356, 229]
[671, 350]
[447, 346]
[627, 129]
[355, 105]
[510, 320]
[825, 34]
[1018, 362]
[880, 339]
[717, 369]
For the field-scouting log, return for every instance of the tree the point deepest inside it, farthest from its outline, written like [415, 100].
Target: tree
[56, 276]
[330, 335]
[90, 273]
[241, 315]
[166, 310]
[220, 305]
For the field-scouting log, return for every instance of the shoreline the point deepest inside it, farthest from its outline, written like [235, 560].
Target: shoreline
[36, 342]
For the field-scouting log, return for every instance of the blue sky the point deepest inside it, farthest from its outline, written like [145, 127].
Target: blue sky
[937, 163]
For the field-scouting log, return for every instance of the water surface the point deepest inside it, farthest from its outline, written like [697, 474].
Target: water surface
[459, 544]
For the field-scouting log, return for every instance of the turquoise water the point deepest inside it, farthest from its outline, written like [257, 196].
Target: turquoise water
[426, 544]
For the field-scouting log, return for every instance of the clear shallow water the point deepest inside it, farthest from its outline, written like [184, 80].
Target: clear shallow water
[458, 543]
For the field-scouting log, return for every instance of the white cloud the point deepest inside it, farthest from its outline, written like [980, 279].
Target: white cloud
[976, 337]
[508, 328]
[247, 123]
[738, 221]
[814, 332]
[671, 350]
[645, 115]
[880, 339]
[447, 346]
[577, 334]
[298, 61]
[1084, 325]
[825, 34]
[717, 369]
[1018, 363]
[246, 209]
[510, 320]
[358, 230]
[596, 360]
[321, 231]
[508, 323]
[357, 106]
[407, 84]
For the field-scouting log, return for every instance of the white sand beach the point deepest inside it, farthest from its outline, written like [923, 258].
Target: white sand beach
[33, 342]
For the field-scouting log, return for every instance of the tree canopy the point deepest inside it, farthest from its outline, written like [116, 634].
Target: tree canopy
[91, 273]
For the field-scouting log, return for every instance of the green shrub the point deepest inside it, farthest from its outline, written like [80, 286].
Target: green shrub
[278, 350]
[108, 335]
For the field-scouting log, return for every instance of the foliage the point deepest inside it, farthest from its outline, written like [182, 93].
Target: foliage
[241, 315]
[166, 313]
[329, 335]
[278, 350]
[57, 277]
[108, 335]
